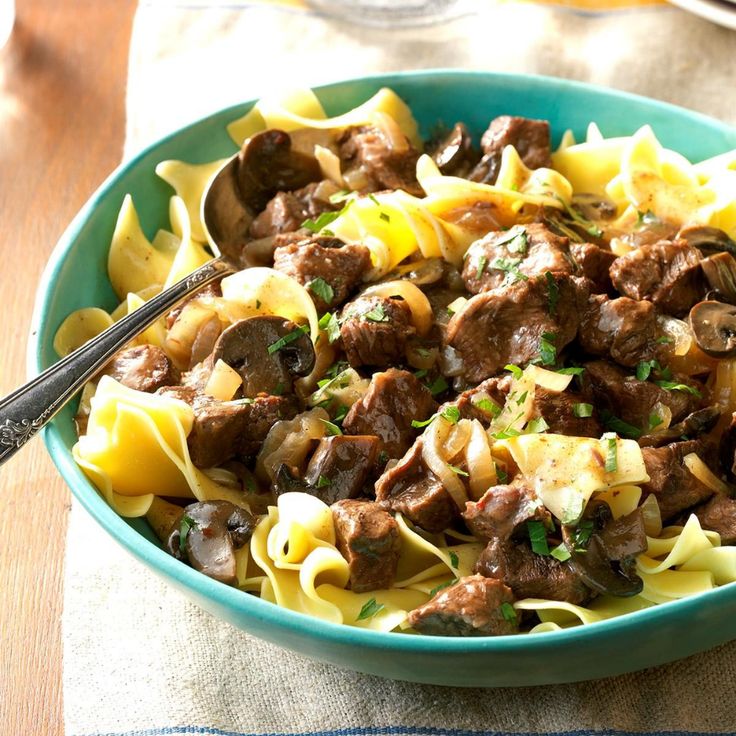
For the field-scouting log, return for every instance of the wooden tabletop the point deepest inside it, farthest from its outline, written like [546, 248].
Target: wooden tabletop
[62, 123]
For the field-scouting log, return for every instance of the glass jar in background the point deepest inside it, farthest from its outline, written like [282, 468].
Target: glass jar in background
[7, 19]
[392, 13]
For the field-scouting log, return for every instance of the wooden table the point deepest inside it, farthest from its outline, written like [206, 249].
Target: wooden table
[62, 123]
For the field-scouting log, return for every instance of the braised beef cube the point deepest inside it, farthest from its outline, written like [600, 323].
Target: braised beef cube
[338, 265]
[454, 154]
[719, 515]
[530, 575]
[473, 606]
[727, 449]
[502, 509]
[394, 399]
[507, 325]
[485, 399]
[340, 466]
[623, 329]
[372, 162]
[225, 429]
[666, 273]
[558, 410]
[499, 257]
[142, 368]
[413, 489]
[374, 331]
[670, 480]
[368, 538]
[288, 210]
[614, 392]
[594, 262]
[529, 137]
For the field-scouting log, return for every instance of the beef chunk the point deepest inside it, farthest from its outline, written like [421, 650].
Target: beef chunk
[530, 575]
[393, 401]
[719, 515]
[557, 409]
[288, 210]
[370, 162]
[496, 389]
[413, 489]
[502, 509]
[727, 449]
[227, 429]
[340, 466]
[340, 265]
[142, 368]
[623, 329]
[675, 487]
[506, 325]
[454, 154]
[473, 606]
[374, 330]
[612, 390]
[368, 538]
[529, 249]
[665, 273]
[594, 262]
[529, 137]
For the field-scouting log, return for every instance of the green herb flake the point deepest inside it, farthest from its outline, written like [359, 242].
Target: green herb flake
[422, 352]
[547, 349]
[340, 414]
[374, 200]
[501, 474]
[420, 425]
[538, 537]
[325, 219]
[611, 465]
[385, 216]
[508, 612]
[185, 526]
[536, 425]
[487, 406]
[560, 552]
[441, 586]
[553, 293]
[590, 227]
[516, 240]
[510, 266]
[575, 370]
[644, 368]
[258, 303]
[482, 262]
[322, 289]
[331, 428]
[369, 610]
[646, 218]
[279, 389]
[456, 470]
[340, 196]
[664, 340]
[521, 398]
[619, 426]
[383, 457]
[421, 373]
[454, 561]
[451, 414]
[515, 371]
[654, 421]
[323, 482]
[582, 534]
[282, 342]
[376, 314]
[438, 385]
[329, 323]
[674, 386]
[582, 410]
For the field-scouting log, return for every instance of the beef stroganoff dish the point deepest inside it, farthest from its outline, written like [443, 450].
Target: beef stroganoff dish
[459, 387]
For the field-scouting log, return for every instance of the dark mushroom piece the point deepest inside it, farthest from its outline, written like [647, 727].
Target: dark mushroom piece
[267, 164]
[707, 239]
[267, 351]
[593, 560]
[454, 154]
[714, 327]
[207, 534]
[692, 426]
[720, 270]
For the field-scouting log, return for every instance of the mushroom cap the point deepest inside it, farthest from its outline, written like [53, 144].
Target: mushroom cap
[267, 164]
[267, 351]
[708, 239]
[714, 327]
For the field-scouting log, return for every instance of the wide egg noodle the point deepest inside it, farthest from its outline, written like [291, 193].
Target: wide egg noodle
[136, 442]
[79, 327]
[191, 254]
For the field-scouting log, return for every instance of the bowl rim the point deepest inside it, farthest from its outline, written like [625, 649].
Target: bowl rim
[252, 606]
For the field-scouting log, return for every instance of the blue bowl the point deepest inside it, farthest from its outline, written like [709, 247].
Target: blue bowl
[76, 277]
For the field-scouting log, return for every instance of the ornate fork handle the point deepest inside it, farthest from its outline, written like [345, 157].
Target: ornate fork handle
[25, 411]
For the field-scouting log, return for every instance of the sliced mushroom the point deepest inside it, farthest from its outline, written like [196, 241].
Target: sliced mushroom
[594, 207]
[267, 164]
[692, 426]
[454, 154]
[707, 239]
[714, 327]
[268, 352]
[207, 534]
[720, 270]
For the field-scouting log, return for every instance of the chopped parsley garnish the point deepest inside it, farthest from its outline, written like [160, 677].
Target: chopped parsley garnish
[438, 385]
[581, 535]
[325, 219]
[582, 410]
[421, 373]
[369, 610]
[547, 349]
[644, 368]
[376, 314]
[501, 474]
[441, 586]
[611, 465]
[521, 398]
[322, 289]
[331, 428]
[385, 216]
[279, 389]
[514, 370]
[664, 340]
[420, 425]
[536, 425]
[575, 370]
[422, 352]
[258, 303]
[322, 482]
[506, 433]
[590, 227]
[454, 561]
[341, 413]
[516, 240]
[508, 612]
[185, 526]
[451, 414]
[482, 262]
[646, 218]
[553, 293]
[560, 552]
[456, 470]
[619, 426]
[510, 266]
[282, 342]
[328, 322]
[538, 537]
[487, 406]
[654, 421]
[340, 196]
[674, 386]
[374, 200]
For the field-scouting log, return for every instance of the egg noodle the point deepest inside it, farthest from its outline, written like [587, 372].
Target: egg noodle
[134, 449]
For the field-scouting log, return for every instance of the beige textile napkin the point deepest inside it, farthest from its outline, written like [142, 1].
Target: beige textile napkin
[140, 660]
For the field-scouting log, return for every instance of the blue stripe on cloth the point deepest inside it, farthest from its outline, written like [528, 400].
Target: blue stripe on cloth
[394, 731]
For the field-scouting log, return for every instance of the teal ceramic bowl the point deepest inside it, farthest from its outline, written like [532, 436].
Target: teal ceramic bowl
[76, 277]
